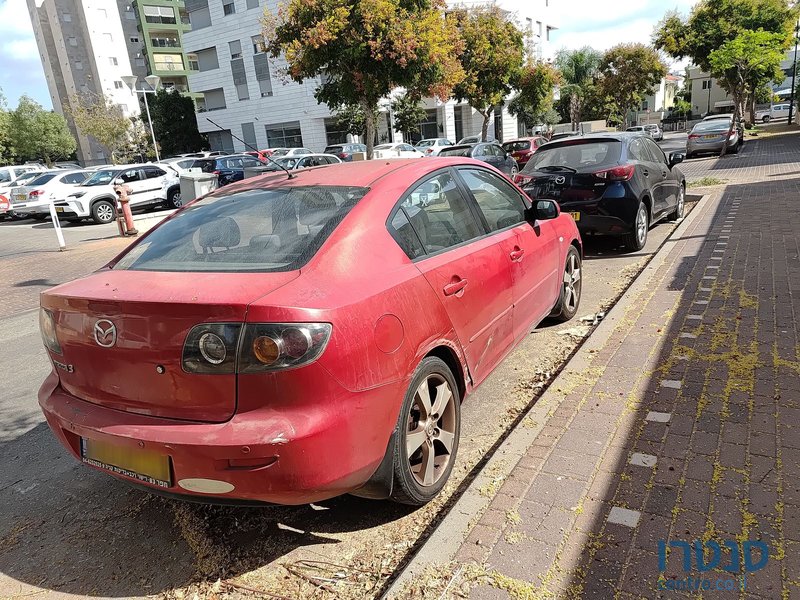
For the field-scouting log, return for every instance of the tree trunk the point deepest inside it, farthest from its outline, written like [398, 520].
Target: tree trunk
[575, 111]
[485, 126]
[369, 126]
[752, 108]
[737, 112]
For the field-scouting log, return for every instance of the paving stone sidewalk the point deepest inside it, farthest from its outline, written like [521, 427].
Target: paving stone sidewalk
[683, 432]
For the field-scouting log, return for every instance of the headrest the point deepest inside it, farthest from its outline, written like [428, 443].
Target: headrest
[220, 234]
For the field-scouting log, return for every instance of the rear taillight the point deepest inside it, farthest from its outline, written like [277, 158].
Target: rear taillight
[225, 348]
[35, 193]
[429, 151]
[47, 325]
[693, 136]
[621, 173]
[342, 155]
[521, 179]
[216, 172]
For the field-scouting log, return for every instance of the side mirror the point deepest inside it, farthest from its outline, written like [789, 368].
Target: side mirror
[542, 210]
[119, 181]
[676, 158]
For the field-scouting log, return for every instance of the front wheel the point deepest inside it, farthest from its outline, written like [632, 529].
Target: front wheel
[765, 119]
[569, 297]
[429, 427]
[679, 205]
[636, 239]
[103, 212]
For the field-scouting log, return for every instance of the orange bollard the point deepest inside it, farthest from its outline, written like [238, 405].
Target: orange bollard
[122, 193]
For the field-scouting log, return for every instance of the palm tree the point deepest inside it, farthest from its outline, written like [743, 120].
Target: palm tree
[578, 69]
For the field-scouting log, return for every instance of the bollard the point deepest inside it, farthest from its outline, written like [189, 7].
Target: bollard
[57, 226]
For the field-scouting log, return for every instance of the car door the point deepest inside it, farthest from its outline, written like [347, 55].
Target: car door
[467, 270]
[533, 253]
[134, 179]
[154, 178]
[669, 182]
[651, 172]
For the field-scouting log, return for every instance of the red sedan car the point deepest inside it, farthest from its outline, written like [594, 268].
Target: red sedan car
[522, 149]
[287, 340]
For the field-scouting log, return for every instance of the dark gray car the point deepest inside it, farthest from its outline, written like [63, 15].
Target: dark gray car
[488, 152]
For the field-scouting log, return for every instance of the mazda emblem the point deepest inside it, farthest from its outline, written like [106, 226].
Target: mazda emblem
[560, 179]
[105, 333]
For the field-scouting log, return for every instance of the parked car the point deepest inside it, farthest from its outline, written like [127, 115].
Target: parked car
[611, 184]
[151, 185]
[709, 136]
[654, 131]
[346, 151]
[488, 152]
[432, 146]
[728, 118]
[10, 175]
[774, 113]
[277, 152]
[24, 179]
[229, 168]
[399, 150]
[564, 134]
[180, 164]
[522, 149]
[35, 197]
[240, 322]
[475, 139]
[291, 163]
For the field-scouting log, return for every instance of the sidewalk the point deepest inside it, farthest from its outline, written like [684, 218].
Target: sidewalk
[677, 424]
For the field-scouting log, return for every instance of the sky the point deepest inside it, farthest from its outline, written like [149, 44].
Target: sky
[597, 23]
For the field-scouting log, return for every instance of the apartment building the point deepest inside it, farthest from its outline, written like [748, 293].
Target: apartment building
[656, 105]
[243, 91]
[87, 46]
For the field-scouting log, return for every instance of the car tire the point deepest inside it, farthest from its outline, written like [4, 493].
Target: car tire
[103, 212]
[680, 205]
[569, 297]
[636, 239]
[514, 171]
[765, 119]
[417, 476]
[174, 198]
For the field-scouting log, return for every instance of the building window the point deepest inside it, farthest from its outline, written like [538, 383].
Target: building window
[207, 59]
[117, 85]
[72, 41]
[134, 39]
[112, 60]
[168, 62]
[66, 17]
[258, 44]
[335, 133]
[261, 65]
[78, 65]
[160, 14]
[130, 15]
[240, 78]
[235, 48]
[194, 65]
[214, 99]
[645, 105]
[228, 7]
[252, 4]
[284, 135]
[165, 42]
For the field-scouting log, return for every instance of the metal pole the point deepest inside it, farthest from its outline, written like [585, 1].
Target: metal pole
[794, 71]
[149, 120]
[708, 110]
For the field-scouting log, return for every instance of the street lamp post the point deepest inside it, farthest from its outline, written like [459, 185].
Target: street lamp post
[794, 71]
[708, 110]
[153, 81]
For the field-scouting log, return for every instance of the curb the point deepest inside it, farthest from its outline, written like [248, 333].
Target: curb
[445, 541]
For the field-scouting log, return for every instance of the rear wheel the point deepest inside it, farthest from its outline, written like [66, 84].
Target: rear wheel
[174, 198]
[429, 426]
[103, 212]
[679, 206]
[570, 296]
[514, 171]
[636, 239]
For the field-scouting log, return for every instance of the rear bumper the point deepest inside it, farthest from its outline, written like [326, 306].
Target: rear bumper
[320, 450]
[611, 214]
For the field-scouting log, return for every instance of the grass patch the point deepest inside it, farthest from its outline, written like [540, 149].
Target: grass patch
[706, 182]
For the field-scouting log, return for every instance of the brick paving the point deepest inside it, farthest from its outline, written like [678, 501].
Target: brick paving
[683, 430]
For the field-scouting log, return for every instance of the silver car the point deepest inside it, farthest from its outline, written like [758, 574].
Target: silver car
[709, 136]
[655, 132]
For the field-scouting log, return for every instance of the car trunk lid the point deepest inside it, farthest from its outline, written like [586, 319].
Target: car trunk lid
[151, 312]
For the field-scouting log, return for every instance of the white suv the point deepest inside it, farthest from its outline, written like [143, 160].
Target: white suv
[150, 185]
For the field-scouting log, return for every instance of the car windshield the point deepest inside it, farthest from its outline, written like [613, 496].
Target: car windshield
[456, 151]
[26, 179]
[256, 230]
[102, 177]
[42, 179]
[517, 146]
[634, 129]
[426, 143]
[6, 175]
[575, 155]
[385, 147]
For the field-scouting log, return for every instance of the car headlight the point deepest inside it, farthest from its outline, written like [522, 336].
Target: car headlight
[47, 326]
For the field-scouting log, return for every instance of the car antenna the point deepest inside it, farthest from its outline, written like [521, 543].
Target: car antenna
[274, 162]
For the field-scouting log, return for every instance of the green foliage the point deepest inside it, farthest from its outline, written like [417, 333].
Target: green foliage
[6, 146]
[493, 57]
[352, 118]
[764, 95]
[364, 49]
[38, 134]
[629, 73]
[533, 103]
[408, 113]
[100, 118]
[139, 147]
[681, 108]
[174, 123]
[578, 70]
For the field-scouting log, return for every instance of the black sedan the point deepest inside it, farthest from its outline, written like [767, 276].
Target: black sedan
[488, 152]
[611, 183]
[227, 168]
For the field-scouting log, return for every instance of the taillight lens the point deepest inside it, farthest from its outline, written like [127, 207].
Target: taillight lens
[34, 193]
[342, 155]
[621, 173]
[693, 136]
[278, 346]
[521, 179]
[429, 151]
[47, 325]
[211, 348]
[216, 172]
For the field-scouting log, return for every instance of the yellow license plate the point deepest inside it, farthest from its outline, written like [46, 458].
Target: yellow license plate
[575, 215]
[20, 197]
[59, 209]
[710, 137]
[144, 465]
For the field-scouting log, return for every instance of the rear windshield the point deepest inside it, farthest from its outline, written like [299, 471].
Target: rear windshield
[716, 125]
[42, 179]
[426, 143]
[517, 146]
[257, 230]
[460, 151]
[334, 149]
[6, 175]
[576, 155]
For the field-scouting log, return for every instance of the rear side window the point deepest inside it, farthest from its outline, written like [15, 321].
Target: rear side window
[42, 179]
[576, 155]
[655, 152]
[258, 230]
[73, 178]
[637, 150]
[404, 234]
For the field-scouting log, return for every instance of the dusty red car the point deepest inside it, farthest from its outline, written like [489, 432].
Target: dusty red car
[522, 149]
[287, 340]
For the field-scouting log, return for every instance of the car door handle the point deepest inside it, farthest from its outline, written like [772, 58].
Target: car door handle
[516, 254]
[455, 287]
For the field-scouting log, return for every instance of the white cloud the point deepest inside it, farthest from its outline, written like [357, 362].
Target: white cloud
[22, 49]
[15, 20]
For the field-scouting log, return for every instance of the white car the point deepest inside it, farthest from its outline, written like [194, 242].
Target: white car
[35, 197]
[432, 146]
[180, 164]
[150, 185]
[776, 112]
[278, 152]
[10, 175]
[397, 150]
[291, 163]
[655, 132]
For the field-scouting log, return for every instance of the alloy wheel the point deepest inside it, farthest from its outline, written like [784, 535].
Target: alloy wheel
[514, 171]
[176, 200]
[572, 283]
[431, 430]
[105, 213]
[641, 224]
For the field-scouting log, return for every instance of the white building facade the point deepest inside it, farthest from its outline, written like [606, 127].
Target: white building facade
[247, 97]
[83, 46]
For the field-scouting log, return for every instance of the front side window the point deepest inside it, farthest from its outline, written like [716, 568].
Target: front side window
[256, 230]
[440, 214]
[500, 204]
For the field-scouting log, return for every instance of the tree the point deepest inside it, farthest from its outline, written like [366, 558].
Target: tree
[578, 70]
[38, 134]
[353, 120]
[628, 73]
[6, 147]
[364, 49]
[681, 108]
[140, 143]
[408, 113]
[493, 57]
[174, 122]
[533, 103]
[100, 118]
